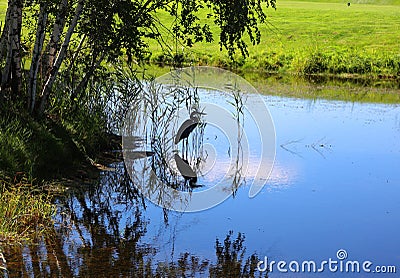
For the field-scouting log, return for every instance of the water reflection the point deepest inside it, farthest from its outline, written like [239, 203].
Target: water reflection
[313, 205]
[101, 232]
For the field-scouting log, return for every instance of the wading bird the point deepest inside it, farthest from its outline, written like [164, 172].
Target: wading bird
[188, 126]
[185, 170]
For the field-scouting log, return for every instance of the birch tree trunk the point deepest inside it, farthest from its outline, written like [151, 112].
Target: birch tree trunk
[12, 73]
[60, 57]
[55, 37]
[37, 50]
[4, 33]
[5, 75]
[16, 70]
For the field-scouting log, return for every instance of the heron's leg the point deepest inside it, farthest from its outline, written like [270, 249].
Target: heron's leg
[183, 148]
[187, 148]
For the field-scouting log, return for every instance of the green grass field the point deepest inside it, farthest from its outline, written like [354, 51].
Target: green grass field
[320, 36]
[311, 37]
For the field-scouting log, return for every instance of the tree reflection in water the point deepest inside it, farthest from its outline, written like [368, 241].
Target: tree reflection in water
[100, 233]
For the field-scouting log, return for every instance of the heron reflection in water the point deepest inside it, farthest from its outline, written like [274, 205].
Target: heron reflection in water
[186, 171]
[187, 127]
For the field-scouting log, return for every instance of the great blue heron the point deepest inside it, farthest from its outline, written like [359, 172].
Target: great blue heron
[187, 126]
[185, 170]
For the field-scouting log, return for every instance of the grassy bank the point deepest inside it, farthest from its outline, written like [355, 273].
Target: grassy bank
[315, 37]
[31, 152]
[34, 152]
[33, 149]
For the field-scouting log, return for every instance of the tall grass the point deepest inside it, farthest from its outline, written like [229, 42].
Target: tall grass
[25, 214]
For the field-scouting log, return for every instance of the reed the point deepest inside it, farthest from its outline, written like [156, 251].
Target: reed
[26, 214]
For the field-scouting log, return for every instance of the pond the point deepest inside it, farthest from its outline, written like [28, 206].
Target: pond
[332, 195]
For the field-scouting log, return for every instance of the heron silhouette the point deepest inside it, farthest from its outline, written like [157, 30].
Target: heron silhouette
[185, 170]
[188, 126]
